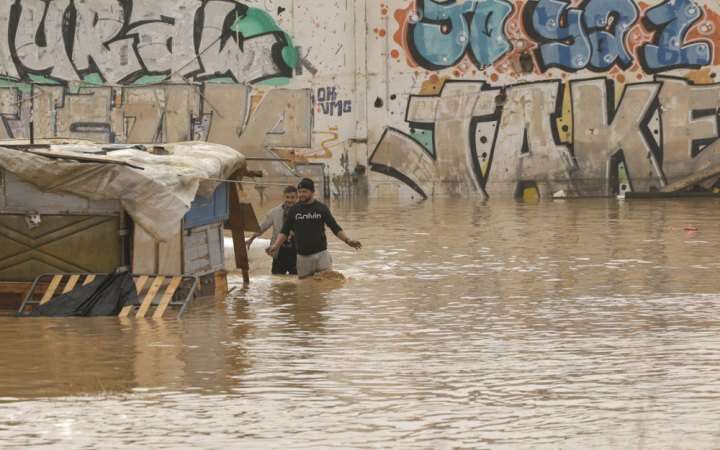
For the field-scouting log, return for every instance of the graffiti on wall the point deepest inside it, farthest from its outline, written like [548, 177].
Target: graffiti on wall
[441, 34]
[329, 104]
[486, 138]
[598, 35]
[141, 41]
[533, 111]
[220, 113]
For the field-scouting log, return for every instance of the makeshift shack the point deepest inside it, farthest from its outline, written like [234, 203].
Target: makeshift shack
[93, 208]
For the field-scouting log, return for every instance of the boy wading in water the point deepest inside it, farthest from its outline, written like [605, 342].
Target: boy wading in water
[307, 219]
[285, 258]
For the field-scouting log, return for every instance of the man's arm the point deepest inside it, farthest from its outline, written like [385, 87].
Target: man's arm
[281, 238]
[283, 235]
[338, 231]
[264, 226]
[352, 243]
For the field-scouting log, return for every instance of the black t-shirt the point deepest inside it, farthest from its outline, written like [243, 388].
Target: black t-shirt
[308, 222]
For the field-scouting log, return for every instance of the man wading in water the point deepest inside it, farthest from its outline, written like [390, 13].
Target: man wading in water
[307, 220]
[285, 258]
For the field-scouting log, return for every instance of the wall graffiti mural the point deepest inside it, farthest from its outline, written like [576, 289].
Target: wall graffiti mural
[441, 34]
[143, 71]
[487, 137]
[592, 97]
[594, 34]
[161, 113]
[136, 42]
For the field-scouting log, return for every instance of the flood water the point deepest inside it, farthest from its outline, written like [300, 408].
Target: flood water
[567, 324]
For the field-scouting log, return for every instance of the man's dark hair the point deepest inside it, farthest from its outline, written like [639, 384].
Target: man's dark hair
[307, 183]
[290, 190]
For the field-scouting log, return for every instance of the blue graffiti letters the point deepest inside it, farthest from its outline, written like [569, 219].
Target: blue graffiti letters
[440, 33]
[607, 24]
[593, 35]
[487, 38]
[671, 21]
[563, 41]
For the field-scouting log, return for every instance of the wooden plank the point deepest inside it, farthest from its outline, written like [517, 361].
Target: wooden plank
[71, 283]
[51, 289]
[250, 221]
[89, 279]
[139, 286]
[170, 257]
[150, 296]
[237, 225]
[140, 283]
[169, 292]
[144, 251]
[693, 179]
[221, 285]
[125, 311]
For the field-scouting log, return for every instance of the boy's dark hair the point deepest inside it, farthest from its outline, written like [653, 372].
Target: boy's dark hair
[290, 190]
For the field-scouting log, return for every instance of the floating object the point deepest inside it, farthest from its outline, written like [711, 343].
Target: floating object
[690, 228]
[693, 179]
[329, 275]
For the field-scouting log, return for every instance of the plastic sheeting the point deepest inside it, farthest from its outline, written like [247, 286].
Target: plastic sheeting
[157, 196]
[106, 296]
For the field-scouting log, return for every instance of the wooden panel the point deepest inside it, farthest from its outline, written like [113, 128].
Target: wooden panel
[237, 225]
[51, 289]
[249, 218]
[203, 249]
[221, 285]
[170, 256]
[144, 251]
[150, 296]
[59, 244]
[71, 283]
[169, 292]
[89, 279]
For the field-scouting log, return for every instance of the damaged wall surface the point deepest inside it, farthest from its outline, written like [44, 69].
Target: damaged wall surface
[489, 97]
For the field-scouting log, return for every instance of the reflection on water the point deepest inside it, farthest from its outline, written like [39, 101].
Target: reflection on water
[463, 325]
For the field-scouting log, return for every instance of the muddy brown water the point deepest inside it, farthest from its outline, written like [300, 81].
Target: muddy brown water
[575, 324]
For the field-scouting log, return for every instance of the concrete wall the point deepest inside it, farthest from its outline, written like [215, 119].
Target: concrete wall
[270, 78]
[467, 97]
[506, 97]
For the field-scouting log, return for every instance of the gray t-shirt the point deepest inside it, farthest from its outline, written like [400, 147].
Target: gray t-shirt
[274, 219]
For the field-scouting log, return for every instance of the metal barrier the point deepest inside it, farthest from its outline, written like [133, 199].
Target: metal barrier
[158, 291]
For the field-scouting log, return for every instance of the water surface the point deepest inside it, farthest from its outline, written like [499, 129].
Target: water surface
[575, 324]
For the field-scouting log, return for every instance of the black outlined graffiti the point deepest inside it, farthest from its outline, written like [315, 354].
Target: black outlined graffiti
[141, 41]
[507, 137]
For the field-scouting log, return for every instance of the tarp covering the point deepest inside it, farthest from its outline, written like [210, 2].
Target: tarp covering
[106, 296]
[157, 196]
